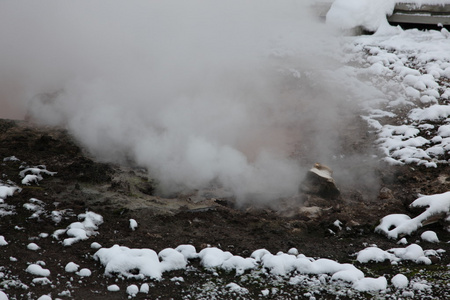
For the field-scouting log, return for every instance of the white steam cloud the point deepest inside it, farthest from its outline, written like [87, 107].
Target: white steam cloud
[195, 91]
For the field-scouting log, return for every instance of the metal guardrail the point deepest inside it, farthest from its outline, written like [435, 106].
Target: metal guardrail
[423, 14]
[404, 13]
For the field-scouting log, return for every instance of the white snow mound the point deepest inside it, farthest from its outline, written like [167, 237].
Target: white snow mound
[79, 231]
[438, 204]
[429, 236]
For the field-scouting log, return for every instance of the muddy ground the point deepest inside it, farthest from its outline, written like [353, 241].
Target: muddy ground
[119, 193]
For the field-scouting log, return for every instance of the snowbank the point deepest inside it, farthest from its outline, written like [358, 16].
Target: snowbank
[296, 268]
[410, 72]
[142, 263]
[348, 14]
[7, 191]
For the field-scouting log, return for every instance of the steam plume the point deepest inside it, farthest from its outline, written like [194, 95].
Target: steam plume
[196, 91]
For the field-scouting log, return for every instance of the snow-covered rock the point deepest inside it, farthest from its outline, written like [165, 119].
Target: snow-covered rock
[132, 290]
[171, 260]
[7, 191]
[133, 224]
[123, 260]
[37, 270]
[234, 287]
[3, 242]
[412, 252]
[31, 178]
[429, 236]
[213, 257]
[145, 288]
[84, 272]
[33, 247]
[38, 170]
[113, 288]
[188, 251]
[400, 281]
[397, 224]
[371, 284]
[95, 245]
[374, 254]
[238, 264]
[3, 296]
[71, 267]
[79, 231]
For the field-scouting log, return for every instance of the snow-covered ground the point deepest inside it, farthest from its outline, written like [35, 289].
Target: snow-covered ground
[411, 115]
[410, 72]
[145, 268]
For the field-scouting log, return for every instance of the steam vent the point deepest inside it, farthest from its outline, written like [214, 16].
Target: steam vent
[319, 181]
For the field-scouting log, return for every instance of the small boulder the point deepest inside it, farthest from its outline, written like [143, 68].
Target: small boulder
[319, 181]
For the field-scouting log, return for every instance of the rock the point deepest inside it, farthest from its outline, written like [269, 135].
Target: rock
[312, 212]
[385, 193]
[319, 182]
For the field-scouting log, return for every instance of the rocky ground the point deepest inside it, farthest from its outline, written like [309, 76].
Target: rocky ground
[202, 219]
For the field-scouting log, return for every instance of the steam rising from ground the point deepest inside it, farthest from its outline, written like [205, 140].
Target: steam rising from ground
[196, 91]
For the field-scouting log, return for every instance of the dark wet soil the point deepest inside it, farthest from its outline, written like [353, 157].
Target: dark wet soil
[119, 193]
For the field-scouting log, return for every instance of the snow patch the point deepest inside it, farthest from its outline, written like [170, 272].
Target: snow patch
[132, 290]
[3, 242]
[31, 179]
[133, 224]
[38, 170]
[7, 191]
[400, 281]
[33, 247]
[429, 236]
[397, 224]
[412, 252]
[126, 262]
[71, 267]
[348, 14]
[84, 272]
[371, 284]
[79, 231]
[37, 270]
[113, 288]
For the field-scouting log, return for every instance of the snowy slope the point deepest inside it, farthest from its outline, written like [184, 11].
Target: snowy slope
[412, 70]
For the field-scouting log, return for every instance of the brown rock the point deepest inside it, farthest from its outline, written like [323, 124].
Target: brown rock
[319, 182]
